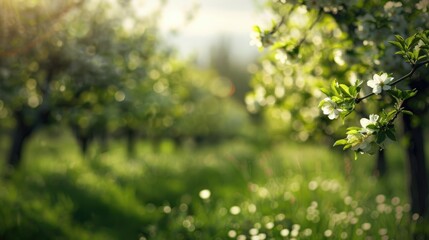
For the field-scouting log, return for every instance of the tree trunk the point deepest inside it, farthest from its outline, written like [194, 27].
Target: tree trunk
[83, 144]
[83, 139]
[131, 142]
[20, 135]
[418, 180]
[103, 140]
[40, 117]
[381, 164]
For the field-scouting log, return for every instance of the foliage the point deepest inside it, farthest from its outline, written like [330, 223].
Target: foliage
[342, 99]
[341, 42]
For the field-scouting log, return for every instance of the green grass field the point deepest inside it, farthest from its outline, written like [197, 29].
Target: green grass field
[233, 190]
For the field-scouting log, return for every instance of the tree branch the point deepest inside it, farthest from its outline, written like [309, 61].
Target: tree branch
[410, 74]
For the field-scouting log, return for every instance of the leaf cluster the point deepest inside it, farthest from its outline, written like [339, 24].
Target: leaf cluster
[343, 95]
[414, 48]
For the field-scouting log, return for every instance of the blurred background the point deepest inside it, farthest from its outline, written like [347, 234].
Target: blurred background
[134, 119]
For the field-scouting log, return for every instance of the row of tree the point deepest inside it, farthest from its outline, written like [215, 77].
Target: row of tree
[100, 68]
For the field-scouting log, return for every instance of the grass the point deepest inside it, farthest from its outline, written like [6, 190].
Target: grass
[233, 190]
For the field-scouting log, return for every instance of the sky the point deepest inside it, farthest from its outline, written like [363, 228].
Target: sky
[213, 20]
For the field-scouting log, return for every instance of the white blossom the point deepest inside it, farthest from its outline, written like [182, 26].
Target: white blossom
[361, 142]
[378, 83]
[330, 108]
[364, 122]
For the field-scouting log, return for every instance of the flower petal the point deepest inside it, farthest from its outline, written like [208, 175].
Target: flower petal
[364, 122]
[388, 80]
[371, 84]
[326, 109]
[332, 115]
[376, 90]
[373, 118]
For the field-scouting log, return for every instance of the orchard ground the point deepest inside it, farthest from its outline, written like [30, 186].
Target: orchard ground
[237, 189]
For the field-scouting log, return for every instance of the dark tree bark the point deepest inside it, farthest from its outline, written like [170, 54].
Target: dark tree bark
[23, 130]
[103, 140]
[381, 164]
[415, 150]
[418, 180]
[20, 134]
[83, 144]
[131, 142]
[83, 138]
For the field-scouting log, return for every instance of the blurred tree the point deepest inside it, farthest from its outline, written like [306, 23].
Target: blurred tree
[117, 50]
[32, 58]
[62, 62]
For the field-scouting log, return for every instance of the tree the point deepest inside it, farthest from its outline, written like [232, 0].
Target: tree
[119, 47]
[31, 60]
[342, 42]
[64, 62]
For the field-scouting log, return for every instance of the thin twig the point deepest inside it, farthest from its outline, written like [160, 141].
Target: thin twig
[413, 70]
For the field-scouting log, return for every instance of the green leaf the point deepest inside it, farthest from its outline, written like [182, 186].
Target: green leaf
[407, 112]
[256, 29]
[421, 57]
[400, 40]
[358, 83]
[410, 56]
[397, 44]
[334, 87]
[353, 129]
[416, 53]
[395, 93]
[381, 136]
[354, 90]
[390, 134]
[391, 114]
[410, 41]
[409, 94]
[340, 142]
[325, 91]
[372, 126]
[336, 99]
[345, 89]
